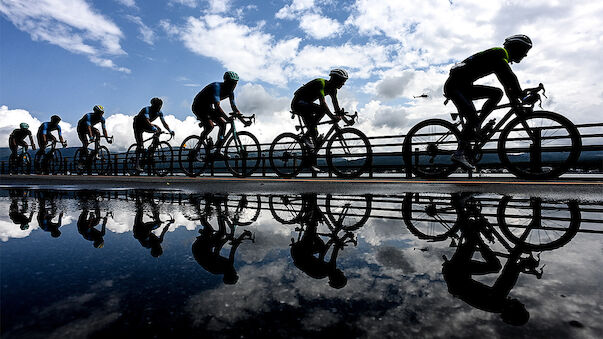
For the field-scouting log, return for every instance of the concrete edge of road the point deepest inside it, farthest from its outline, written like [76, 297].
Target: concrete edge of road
[566, 188]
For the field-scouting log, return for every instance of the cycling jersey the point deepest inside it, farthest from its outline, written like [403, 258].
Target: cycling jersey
[19, 134]
[491, 61]
[91, 119]
[46, 128]
[150, 114]
[313, 91]
[213, 93]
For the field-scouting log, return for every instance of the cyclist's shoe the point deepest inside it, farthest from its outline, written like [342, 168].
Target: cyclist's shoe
[221, 156]
[461, 159]
[315, 169]
[320, 138]
[308, 142]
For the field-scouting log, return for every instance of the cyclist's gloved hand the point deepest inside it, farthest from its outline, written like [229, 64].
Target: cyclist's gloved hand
[110, 139]
[172, 133]
[154, 128]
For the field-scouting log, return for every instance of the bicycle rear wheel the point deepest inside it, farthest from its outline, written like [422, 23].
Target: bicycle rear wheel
[192, 156]
[428, 147]
[79, 162]
[538, 225]
[430, 216]
[287, 155]
[130, 167]
[160, 160]
[101, 161]
[349, 153]
[548, 150]
[243, 209]
[286, 209]
[55, 162]
[243, 154]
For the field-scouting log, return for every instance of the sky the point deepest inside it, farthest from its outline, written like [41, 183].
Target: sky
[65, 56]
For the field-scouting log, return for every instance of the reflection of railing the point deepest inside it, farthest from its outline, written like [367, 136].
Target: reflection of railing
[387, 156]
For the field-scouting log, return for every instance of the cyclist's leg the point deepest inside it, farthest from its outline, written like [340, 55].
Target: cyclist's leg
[12, 144]
[41, 143]
[203, 114]
[492, 94]
[83, 136]
[460, 96]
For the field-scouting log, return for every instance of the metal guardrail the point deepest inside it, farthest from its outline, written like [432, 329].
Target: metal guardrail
[386, 152]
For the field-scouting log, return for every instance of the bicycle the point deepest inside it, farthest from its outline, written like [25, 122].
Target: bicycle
[237, 210]
[241, 150]
[348, 150]
[532, 145]
[21, 162]
[50, 162]
[157, 158]
[99, 159]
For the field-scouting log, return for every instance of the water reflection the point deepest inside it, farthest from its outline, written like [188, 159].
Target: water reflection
[402, 258]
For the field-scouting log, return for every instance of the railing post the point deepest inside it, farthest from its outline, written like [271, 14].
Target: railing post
[211, 168]
[263, 165]
[2, 168]
[536, 151]
[65, 164]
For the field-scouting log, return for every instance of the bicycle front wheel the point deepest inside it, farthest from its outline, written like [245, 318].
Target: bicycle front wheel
[536, 224]
[286, 209]
[25, 163]
[349, 153]
[428, 147]
[542, 145]
[192, 156]
[430, 216]
[161, 161]
[79, 161]
[55, 162]
[243, 209]
[243, 154]
[348, 212]
[101, 161]
[287, 155]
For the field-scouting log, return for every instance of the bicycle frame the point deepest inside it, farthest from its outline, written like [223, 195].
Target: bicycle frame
[232, 131]
[334, 128]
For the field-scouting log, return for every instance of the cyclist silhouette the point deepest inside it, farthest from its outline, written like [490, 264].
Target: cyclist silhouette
[310, 251]
[86, 225]
[143, 123]
[207, 109]
[303, 103]
[19, 207]
[86, 130]
[460, 87]
[143, 231]
[45, 133]
[46, 214]
[458, 272]
[206, 248]
[17, 138]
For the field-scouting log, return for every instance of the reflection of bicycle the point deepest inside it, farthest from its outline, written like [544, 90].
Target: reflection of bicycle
[348, 151]
[241, 150]
[532, 224]
[157, 158]
[533, 144]
[21, 162]
[346, 212]
[235, 210]
[50, 161]
[97, 160]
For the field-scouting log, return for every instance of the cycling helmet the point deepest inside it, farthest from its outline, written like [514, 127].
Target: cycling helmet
[55, 119]
[156, 102]
[24, 125]
[519, 40]
[99, 109]
[230, 75]
[339, 73]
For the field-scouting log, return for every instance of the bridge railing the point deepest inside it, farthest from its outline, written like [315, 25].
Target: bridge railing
[387, 153]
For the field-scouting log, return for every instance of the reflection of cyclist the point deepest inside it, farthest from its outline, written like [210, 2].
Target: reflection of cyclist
[18, 212]
[143, 123]
[460, 88]
[206, 248]
[86, 224]
[45, 133]
[458, 272]
[17, 138]
[45, 216]
[143, 231]
[86, 130]
[207, 109]
[309, 253]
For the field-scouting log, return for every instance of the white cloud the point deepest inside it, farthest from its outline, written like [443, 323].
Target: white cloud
[188, 3]
[318, 26]
[128, 3]
[146, 33]
[69, 24]
[219, 6]
[296, 6]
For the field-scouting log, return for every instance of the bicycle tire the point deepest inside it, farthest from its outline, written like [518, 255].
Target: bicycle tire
[438, 141]
[248, 213]
[130, 166]
[520, 232]
[25, 163]
[425, 220]
[513, 158]
[77, 161]
[192, 157]
[55, 163]
[287, 208]
[242, 162]
[360, 207]
[38, 163]
[287, 155]
[343, 141]
[161, 159]
[101, 160]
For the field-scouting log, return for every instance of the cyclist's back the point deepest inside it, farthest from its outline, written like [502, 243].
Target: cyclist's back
[17, 138]
[45, 132]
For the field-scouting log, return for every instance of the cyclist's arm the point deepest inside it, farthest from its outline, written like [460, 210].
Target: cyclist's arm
[335, 102]
[220, 111]
[104, 128]
[60, 135]
[233, 106]
[31, 141]
[509, 81]
[165, 123]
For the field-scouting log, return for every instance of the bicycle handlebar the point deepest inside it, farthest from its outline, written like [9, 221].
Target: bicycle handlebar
[247, 120]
